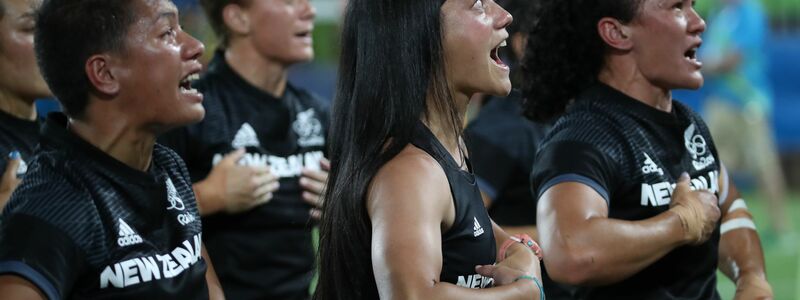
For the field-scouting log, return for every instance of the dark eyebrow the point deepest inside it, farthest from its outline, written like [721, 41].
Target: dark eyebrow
[167, 15]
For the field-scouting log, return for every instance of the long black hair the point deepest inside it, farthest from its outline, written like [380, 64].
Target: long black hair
[392, 74]
[565, 52]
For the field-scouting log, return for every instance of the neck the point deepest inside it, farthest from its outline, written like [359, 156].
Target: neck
[440, 125]
[113, 133]
[627, 79]
[20, 108]
[268, 75]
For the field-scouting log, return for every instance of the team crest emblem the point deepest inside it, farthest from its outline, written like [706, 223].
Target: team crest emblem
[697, 147]
[308, 129]
[175, 201]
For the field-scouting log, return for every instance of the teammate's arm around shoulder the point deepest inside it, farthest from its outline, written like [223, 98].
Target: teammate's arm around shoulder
[14, 287]
[410, 205]
[585, 247]
[740, 255]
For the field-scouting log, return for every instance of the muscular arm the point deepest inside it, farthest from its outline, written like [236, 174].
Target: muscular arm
[740, 254]
[15, 287]
[583, 246]
[409, 204]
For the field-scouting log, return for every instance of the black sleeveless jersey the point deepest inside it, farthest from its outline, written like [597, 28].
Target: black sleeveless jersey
[83, 225]
[470, 241]
[632, 155]
[266, 252]
[502, 144]
[17, 135]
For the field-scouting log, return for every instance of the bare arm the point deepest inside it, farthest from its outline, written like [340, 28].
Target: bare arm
[15, 287]
[409, 204]
[740, 255]
[577, 234]
[214, 287]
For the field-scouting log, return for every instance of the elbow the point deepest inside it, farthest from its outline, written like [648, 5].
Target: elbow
[577, 268]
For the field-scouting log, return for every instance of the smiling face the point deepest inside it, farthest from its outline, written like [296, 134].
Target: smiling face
[280, 30]
[666, 35]
[157, 66]
[17, 60]
[473, 31]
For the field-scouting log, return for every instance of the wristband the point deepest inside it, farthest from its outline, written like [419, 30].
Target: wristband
[535, 281]
[523, 239]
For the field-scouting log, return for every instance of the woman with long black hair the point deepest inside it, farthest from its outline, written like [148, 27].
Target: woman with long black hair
[630, 186]
[403, 218]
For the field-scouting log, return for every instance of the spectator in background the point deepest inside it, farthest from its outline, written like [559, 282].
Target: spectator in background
[263, 140]
[739, 107]
[20, 85]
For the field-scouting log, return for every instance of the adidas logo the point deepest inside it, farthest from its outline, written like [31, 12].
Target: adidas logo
[477, 230]
[127, 236]
[246, 136]
[650, 166]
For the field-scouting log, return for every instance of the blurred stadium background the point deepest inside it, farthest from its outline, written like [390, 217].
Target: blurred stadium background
[782, 255]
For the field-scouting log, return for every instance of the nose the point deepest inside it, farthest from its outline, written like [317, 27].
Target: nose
[696, 23]
[309, 11]
[502, 17]
[192, 48]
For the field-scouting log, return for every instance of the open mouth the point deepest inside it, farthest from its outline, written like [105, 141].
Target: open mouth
[691, 55]
[303, 34]
[495, 54]
[186, 84]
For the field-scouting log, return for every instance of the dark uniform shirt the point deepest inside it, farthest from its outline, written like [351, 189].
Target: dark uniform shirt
[264, 253]
[502, 144]
[470, 240]
[83, 225]
[632, 155]
[17, 135]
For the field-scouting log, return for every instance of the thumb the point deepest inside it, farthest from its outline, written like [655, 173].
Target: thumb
[233, 156]
[683, 182]
[325, 164]
[486, 270]
[13, 164]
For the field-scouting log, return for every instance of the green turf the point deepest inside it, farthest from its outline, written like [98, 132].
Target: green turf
[781, 253]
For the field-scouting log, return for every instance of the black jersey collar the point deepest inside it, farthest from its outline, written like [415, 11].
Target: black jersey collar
[56, 135]
[20, 124]
[610, 95]
[219, 67]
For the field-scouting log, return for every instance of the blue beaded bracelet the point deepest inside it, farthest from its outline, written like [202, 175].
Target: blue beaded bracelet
[535, 281]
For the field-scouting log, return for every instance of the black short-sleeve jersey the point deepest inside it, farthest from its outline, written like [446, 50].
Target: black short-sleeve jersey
[502, 144]
[264, 253]
[632, 155]
[17, 135]
[83, 225]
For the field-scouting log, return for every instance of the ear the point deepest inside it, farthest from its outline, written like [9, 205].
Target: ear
[614, 34]
[236, 19]
[101, 75]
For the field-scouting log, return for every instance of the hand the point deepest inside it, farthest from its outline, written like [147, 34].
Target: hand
[752, 287]
[9, 182]
[313, 184]
[698, 211]
[502, 275]
[235, 188]
[521, 258]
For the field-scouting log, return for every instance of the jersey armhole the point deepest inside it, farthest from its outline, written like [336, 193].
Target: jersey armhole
[28, 273]
[572, 177]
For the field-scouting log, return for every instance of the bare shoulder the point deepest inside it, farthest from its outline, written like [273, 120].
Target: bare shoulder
[411, 178]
